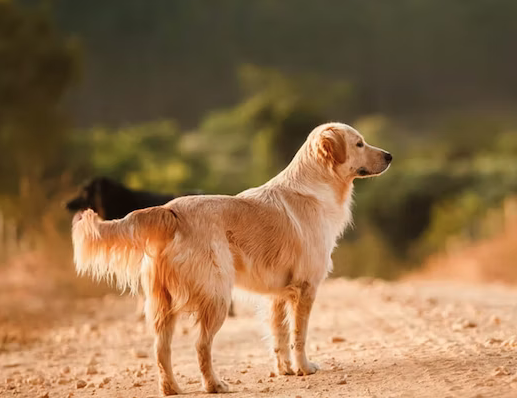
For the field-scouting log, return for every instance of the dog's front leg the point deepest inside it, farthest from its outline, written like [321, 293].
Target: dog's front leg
[280, 332]
[302, 305]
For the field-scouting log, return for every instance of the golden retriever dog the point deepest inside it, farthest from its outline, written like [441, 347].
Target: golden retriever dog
[275, 240]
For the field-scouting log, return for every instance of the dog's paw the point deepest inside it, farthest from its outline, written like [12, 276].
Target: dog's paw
[217, 386]
[284, 368]
[308, 369]
[168, 390]
[286, 372]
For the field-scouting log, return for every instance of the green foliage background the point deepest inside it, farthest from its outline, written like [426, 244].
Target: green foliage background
[175, 96]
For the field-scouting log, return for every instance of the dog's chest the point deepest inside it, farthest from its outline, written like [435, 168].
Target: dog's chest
[334, 221]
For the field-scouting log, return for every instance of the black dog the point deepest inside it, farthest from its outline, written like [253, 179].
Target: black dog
[112, 200]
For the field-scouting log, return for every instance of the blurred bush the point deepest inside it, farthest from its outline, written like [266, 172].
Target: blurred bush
[440, 187]
[247, 144]
[146, 156]
[430, 196]
[491, 259]
[37, 67]
[453, 165]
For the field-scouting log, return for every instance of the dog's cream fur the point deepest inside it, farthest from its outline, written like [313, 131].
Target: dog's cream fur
[275, 239]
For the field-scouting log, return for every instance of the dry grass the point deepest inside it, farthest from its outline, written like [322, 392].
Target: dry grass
[490, 260]
[38, 284]
[36, 289]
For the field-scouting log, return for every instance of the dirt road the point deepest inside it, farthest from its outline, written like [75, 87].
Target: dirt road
[371, 339]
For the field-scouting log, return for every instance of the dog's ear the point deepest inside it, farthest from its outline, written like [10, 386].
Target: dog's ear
[331, 147]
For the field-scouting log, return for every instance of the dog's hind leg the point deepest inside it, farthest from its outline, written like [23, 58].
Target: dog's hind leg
[163, 322]
[162, 346]
[302, 305]
[210, 317]
[280, 331]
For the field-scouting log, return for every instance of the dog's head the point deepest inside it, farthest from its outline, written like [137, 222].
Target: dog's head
[343, 150]
[90, 196]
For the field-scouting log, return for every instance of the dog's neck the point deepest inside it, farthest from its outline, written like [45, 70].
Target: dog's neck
[332, 195]
[307, 177]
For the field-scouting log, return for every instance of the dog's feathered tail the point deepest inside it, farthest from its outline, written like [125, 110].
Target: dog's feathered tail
[115, 249]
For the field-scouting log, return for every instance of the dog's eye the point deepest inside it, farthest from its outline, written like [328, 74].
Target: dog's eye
[360, 145]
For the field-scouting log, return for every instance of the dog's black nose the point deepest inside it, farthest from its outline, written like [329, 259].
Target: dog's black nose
[388, 157]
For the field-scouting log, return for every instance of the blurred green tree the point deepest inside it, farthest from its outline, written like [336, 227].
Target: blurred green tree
[145, 156]
[249, 143]
[402, 57]
[37, 66]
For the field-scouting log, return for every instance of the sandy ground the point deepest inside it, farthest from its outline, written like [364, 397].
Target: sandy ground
[371, 339]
